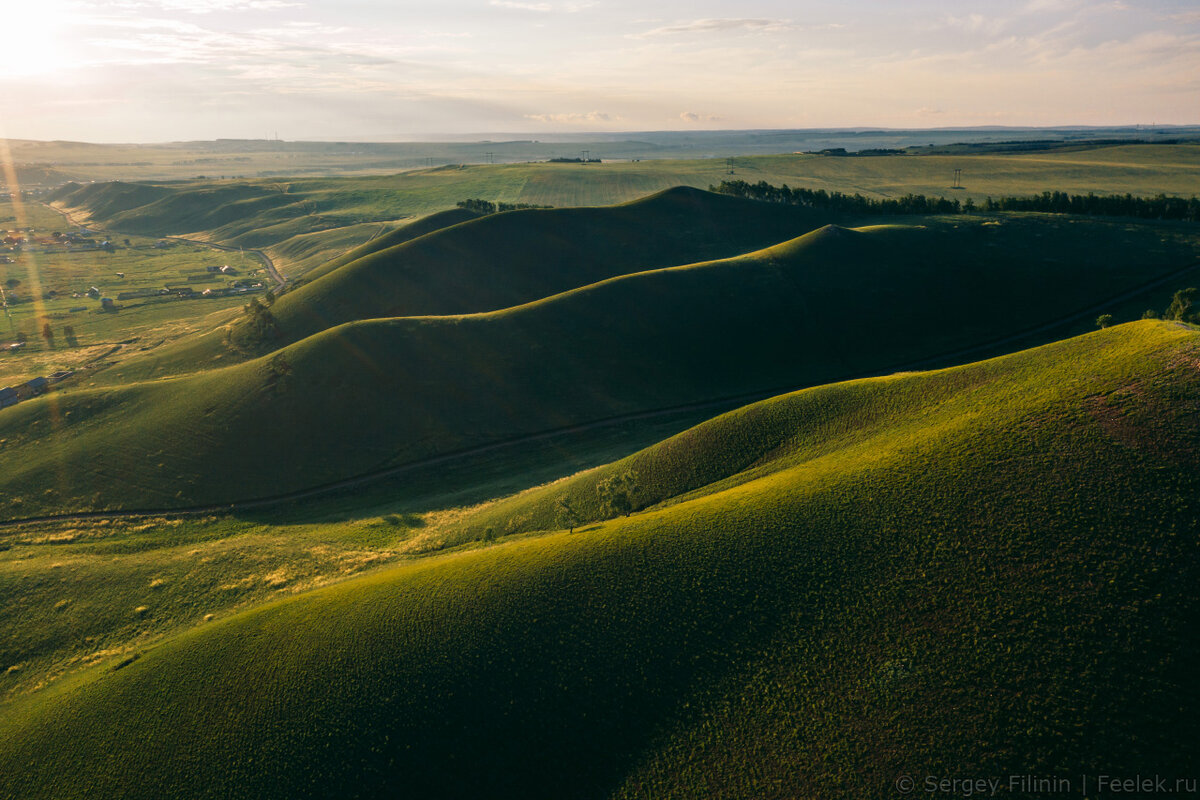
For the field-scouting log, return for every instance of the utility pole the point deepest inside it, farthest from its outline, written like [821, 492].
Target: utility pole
[958, 179]
[729, 165]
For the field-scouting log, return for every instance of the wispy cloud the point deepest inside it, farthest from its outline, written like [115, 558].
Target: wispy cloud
[542, 8]
[692, 116]
[574, 118]
[719, 25]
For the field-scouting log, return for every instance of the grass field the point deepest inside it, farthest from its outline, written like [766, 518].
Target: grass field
[832, 304]
[987, 568]
[270, 213]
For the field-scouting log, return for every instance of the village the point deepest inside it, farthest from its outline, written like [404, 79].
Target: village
[109, 276]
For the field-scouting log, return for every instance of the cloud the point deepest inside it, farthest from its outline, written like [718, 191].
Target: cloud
[207, 6]
[976, 23]
[929, 112]
[573, 118]
[692, 116]
[542, 7]
[722, 25]
[1186, 17]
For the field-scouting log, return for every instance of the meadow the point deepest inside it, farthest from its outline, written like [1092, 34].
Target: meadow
[831, 304]
[830, 595]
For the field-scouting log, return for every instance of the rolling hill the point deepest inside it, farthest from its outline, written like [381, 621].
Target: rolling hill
[367, 395]
[985, 570]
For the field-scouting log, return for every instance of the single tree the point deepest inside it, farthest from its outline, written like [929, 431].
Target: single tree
[12, 283]
[1104, 320]
[1181, 304]
[48, 334]
[1149, 313]
[69, 335]
[616, 494]
[568, 515]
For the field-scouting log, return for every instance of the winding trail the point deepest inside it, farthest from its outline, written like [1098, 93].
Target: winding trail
[947, 359]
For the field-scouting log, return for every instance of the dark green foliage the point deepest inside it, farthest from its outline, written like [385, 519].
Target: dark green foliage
[1160, 207]
[568, 515]
[1149, 313]
[258, 326]
[1104, 320]
[478, 206]
[1181, 305]
[617, 494]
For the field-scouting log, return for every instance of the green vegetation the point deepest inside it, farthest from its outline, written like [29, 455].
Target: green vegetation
[986, 569]
[429, 386]
[1159, 207]
[297, 221]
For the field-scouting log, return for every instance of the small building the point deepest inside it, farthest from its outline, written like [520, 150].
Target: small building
[61, 375]
[8, 397]
[107, 304]
[93, 293]
[76, 309]
[228, 270]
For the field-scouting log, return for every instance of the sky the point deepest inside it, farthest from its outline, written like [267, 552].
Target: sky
[168, 70]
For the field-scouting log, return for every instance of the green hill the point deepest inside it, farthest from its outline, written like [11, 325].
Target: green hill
[833, 304]
[987, 570]
[405, 233]
[515, 257]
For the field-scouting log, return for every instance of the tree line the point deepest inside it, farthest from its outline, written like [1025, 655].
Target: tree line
[488, 207]
[1127, 205]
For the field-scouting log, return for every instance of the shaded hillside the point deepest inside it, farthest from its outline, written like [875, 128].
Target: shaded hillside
[405, 233]
[995, 577]
[832, 304]
[506, 259]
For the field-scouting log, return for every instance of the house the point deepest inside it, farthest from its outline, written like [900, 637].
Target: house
[32, 388]
[8, 397]
[93, 293]
[107, 304]
[228, 270]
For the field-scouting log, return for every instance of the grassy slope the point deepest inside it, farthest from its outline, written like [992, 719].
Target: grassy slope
[504, 260]
[437, 266]
[405, 233]
[995, 577]
[832, 304]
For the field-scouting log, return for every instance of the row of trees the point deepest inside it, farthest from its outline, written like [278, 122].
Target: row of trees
[1160, 207]
[488, 207]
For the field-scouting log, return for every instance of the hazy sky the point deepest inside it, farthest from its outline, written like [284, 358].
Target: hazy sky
[155, 70]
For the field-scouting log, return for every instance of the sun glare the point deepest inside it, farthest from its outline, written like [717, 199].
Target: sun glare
[31, 41]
